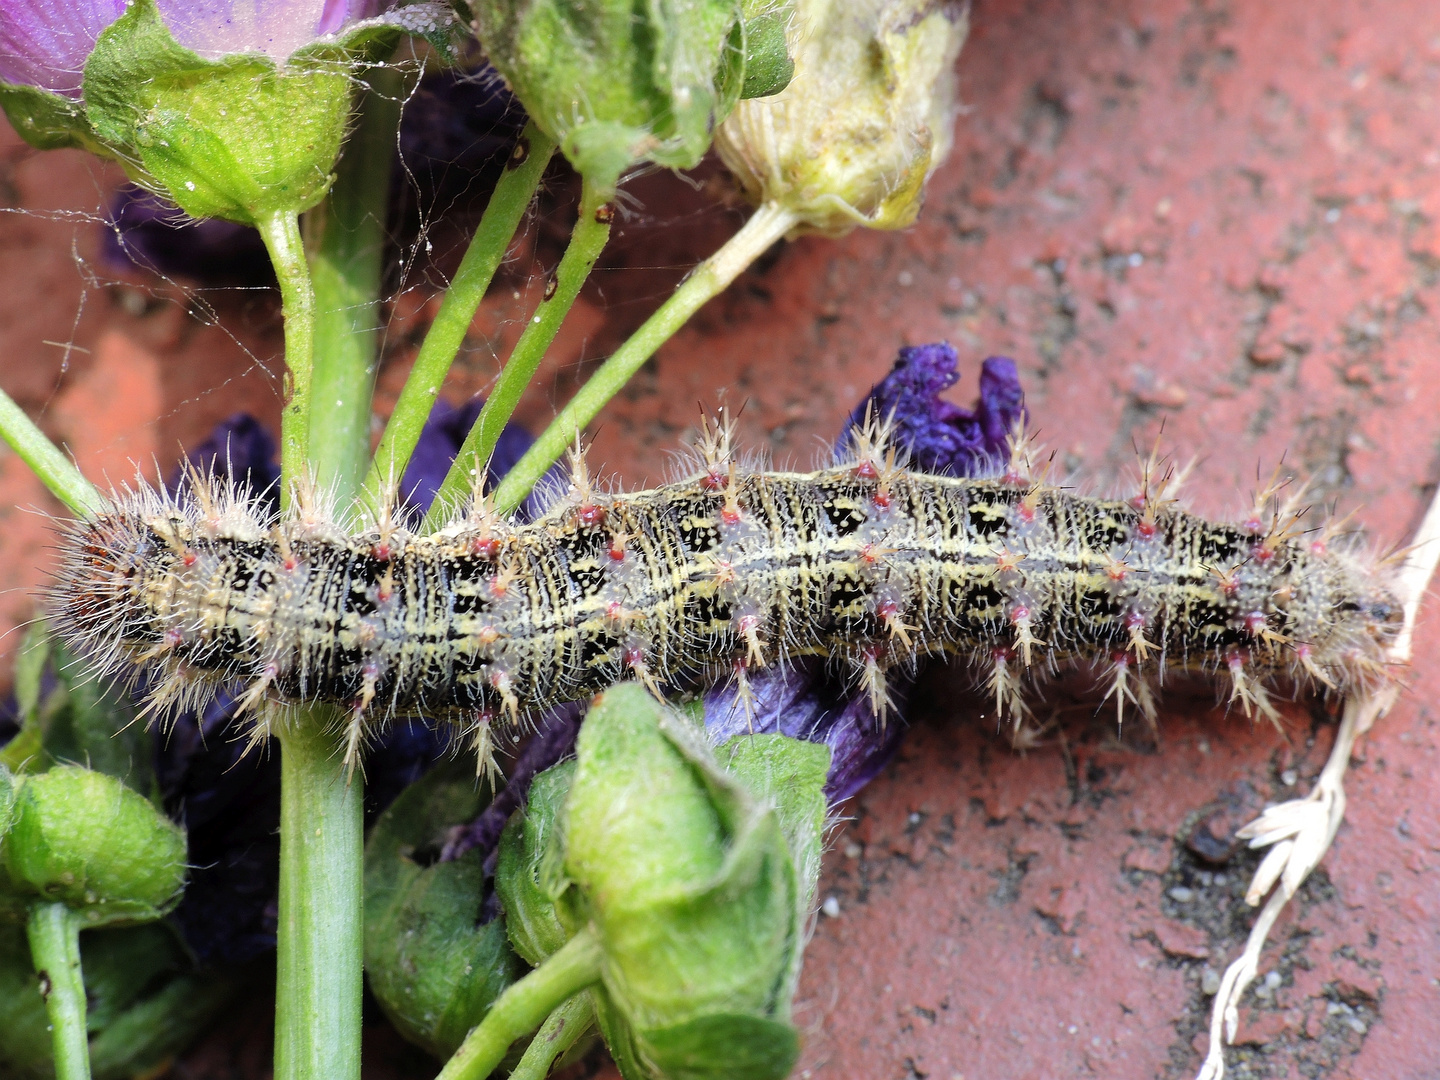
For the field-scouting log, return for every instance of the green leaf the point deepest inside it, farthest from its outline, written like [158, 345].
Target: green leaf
[685, 876]
[432, 967]
[47, 121]
[7, 801]
[791, 774]
[374, 39]
[768, 66]
[128, 54]
[245, 140]
[725, 1046]
[614, 82]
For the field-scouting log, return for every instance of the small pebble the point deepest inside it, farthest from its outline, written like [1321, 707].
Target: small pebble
[1288, 777]
[1273, 979]
[1181, 895]
[914, 818]
[831, 907]
[1210, 982]
[853, 850]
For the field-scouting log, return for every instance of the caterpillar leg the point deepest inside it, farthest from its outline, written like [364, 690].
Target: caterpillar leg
[355, 729]
[635, 660]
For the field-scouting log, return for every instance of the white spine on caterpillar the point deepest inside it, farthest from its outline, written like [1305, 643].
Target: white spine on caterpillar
[728, 569]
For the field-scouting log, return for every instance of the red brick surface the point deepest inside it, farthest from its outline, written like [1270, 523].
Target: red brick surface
[1220, 217]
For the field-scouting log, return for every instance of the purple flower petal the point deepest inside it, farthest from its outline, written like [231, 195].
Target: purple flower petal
[45, 43]
[440, 441]
[805, 701]
[238, 448]
[150, 232]
[802, 702]
[941, 437]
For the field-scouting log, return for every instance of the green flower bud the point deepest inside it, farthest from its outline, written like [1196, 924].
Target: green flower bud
[690, 885]
[617, 83]
[529, 871]
[432, 966]
[864, 122]
[236, 138]
[85, 839]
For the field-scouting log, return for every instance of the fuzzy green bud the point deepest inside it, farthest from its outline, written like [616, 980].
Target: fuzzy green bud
[236, 138]
[687, 877]
[85, 839]
[865, 120]
[433, 965]
[529, 872]
[617, 83]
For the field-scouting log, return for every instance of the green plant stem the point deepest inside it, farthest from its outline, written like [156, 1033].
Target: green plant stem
[346, 238]
[501, 219]
[592, 231]
[562, 1029]
[768, 224]
[56, 471]
[318, 939]
[54, 932]
[525, 1005]
[281, 232]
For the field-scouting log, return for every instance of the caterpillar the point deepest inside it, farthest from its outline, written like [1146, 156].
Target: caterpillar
[721, 572]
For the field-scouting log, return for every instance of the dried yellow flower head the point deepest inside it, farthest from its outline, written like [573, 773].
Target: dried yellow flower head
[864, 122]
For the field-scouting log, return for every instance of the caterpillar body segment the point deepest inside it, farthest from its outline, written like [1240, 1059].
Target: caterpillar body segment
[866, 563]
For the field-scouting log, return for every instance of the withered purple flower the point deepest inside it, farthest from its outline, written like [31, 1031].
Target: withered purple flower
[808, 701]
[938, 436]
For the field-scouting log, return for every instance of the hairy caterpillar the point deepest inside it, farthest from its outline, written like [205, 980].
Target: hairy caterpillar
[727, 570]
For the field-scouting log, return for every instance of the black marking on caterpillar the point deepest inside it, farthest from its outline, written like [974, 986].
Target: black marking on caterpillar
[866, 563]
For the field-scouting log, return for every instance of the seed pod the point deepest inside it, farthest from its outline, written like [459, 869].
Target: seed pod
[865, 120]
